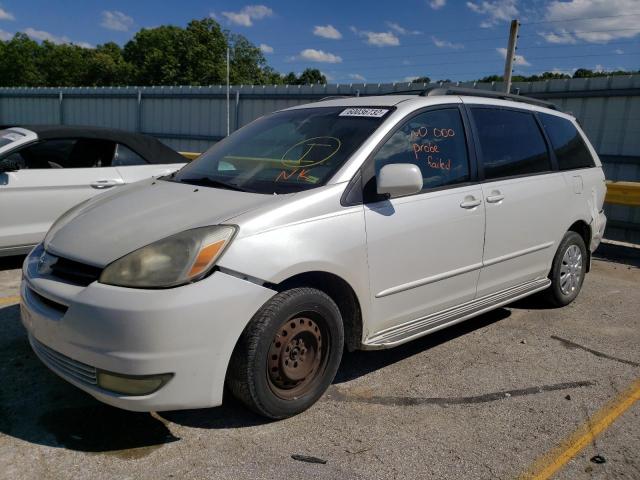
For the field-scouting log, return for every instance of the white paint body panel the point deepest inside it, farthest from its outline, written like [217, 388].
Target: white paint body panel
[32, 199]
[411, 261]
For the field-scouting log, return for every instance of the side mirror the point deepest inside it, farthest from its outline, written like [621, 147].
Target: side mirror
[400, 179]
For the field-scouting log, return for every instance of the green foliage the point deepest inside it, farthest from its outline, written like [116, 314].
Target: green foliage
[421, 80]
[170, 55]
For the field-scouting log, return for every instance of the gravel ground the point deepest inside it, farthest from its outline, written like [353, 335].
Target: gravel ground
[484, 399]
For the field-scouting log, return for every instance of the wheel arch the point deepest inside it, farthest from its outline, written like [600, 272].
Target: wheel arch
[340, 292]
[583, 229]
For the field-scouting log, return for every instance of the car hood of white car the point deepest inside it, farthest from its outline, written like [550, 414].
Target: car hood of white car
[116, 223]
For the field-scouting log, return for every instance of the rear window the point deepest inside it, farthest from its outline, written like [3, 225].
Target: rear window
[567, 143]
[285, 152]
[511, 143]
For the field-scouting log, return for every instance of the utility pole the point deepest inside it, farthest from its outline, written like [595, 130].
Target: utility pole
[511, 55]
[228, 108]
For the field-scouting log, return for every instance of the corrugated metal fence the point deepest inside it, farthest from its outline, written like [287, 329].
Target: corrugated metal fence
[192, 118]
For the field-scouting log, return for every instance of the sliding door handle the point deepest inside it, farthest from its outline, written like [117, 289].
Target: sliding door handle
[495, 197]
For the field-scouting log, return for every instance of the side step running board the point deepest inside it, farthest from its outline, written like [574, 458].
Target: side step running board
[436, 321]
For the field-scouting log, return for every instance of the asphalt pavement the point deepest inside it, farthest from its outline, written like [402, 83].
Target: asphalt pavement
[507, 394]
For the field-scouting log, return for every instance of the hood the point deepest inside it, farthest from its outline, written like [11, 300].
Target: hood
[112, 225]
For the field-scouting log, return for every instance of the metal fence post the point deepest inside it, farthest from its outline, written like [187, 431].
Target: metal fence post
[60, 108]
[139, 112]
[237, 110]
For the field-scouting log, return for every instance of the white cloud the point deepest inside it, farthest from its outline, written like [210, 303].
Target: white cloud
[59, 40]
[496, 11]
[618, 51]
[357, 76]
[560, 36]
[379, 39]
[4, 15]
[42, 35]
[519, 59]
[248, 14]
[115, 20]
[327, 31]
[436, 4]
[5, 35]
[598, 68]
[597, 24]
[313, 55]
[401, 30]
[446, 44]
[264, 48]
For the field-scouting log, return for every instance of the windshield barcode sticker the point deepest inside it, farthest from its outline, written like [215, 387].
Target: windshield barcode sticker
[364, 112]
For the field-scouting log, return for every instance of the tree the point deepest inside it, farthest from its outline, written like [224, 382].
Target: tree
[19, 62]
[107, 66]
[421, 80]
[311, 76]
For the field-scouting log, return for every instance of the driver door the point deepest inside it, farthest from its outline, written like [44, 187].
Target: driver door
[53, 176]
[425, 250]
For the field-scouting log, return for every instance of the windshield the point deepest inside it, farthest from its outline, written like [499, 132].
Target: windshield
[9, 136]
[286, 151]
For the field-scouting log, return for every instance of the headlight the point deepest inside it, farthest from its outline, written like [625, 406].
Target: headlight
[172, 261]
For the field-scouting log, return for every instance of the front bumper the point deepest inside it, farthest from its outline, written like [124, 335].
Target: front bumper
[189, 331]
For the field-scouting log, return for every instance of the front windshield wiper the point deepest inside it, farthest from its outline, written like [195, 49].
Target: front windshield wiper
[210, 182]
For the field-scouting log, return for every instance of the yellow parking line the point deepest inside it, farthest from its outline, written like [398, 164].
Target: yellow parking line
[553, 461]
[9, 300]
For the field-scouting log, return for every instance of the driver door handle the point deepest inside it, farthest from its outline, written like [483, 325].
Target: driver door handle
[470, 202]
[103, 184]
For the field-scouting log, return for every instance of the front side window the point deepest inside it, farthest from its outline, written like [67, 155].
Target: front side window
[435, 142]
[567, 143]
[511, 143]
[285, 152]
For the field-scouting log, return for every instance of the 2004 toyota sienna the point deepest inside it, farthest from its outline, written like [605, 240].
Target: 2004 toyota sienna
[357, 223]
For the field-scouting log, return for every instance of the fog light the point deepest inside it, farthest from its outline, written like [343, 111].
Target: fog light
[132, 385]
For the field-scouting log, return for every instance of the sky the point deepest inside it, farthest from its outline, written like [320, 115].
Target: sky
[354, 41]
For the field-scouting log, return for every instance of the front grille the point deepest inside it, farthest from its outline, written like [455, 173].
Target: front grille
[75, 272]
[64, 365]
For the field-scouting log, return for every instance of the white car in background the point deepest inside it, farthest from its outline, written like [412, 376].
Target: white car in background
[46, 170]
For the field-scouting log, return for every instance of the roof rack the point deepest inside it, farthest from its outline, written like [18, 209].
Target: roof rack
[474, 92]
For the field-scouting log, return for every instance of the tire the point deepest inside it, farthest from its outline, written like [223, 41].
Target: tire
[568, 270]
[288, 354]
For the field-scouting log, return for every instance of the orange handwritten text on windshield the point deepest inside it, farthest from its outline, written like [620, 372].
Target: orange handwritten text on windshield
[311, 151]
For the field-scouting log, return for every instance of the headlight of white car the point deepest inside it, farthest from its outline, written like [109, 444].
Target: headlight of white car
[172, 261]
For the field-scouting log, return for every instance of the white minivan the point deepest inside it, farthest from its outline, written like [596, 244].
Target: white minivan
[357, 223]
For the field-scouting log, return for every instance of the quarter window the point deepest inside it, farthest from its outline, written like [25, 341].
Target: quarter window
[567, 143]
[125, 156]
[435, 142]
[511, 143]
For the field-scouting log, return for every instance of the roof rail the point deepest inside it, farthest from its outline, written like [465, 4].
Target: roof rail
[474, 92]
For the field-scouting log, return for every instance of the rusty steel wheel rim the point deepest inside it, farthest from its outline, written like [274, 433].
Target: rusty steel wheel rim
[297, 356]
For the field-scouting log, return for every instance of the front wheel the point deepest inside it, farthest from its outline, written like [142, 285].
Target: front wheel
[289, 353]
[568, 270]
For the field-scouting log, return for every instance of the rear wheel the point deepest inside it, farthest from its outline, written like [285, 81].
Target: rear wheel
[289, 353]
[568, 270]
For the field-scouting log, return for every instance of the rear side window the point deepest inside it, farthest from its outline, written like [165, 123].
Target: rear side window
[435, 142]
[567, 143]
[126, 157]
[511, 143]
